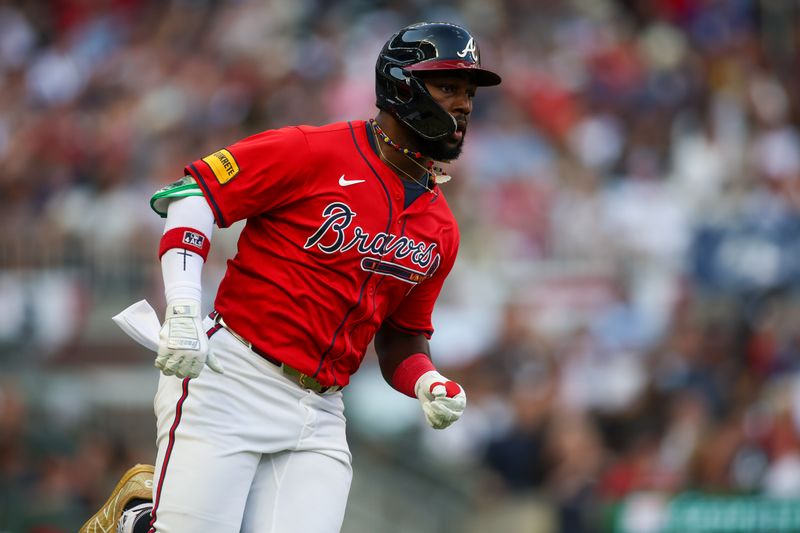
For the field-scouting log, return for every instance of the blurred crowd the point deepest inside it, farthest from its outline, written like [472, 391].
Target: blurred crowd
[624, 314]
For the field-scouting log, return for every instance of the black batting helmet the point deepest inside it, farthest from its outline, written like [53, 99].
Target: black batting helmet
[425, 46]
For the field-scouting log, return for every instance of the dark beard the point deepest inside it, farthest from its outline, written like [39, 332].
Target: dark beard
[440, 150]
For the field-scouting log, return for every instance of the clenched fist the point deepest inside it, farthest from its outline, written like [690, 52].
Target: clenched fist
[182, 342]
[442, 400]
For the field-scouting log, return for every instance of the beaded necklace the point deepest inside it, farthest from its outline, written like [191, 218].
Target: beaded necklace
[437, 173]
[412, 178]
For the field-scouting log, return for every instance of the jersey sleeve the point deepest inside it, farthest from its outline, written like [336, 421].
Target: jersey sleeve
[413, 315]
[255, 175]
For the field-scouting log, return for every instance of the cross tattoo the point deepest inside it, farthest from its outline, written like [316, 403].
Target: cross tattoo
[185, 254]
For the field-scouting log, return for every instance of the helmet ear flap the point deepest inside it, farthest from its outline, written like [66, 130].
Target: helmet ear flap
[404, 93]
[393, 85]
[406, 97]
[412, 104]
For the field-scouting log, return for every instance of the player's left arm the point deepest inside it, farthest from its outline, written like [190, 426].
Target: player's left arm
[406, 365]
[183, 344]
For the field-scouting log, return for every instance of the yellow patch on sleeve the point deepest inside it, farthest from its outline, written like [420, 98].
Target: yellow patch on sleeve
[223, 165]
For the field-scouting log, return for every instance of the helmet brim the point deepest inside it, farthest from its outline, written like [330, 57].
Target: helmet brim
[483, 77]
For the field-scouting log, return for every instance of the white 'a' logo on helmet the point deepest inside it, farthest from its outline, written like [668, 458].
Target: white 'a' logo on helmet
[469, 49]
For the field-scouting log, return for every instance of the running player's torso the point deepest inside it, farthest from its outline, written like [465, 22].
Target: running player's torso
[328, 252]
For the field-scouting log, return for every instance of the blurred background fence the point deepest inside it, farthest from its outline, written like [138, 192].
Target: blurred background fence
[624, 313]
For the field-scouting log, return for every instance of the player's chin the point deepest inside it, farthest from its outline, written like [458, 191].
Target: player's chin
[455, 143]
[446, 149]
[452, 149]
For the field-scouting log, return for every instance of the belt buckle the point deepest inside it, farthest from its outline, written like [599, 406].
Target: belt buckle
[311, 384]
[306, 381]
[301, 378]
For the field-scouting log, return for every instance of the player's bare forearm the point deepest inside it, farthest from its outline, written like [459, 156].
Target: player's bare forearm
[393, 347]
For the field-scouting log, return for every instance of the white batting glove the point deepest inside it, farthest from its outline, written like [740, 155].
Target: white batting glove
[182, 342]
[442, 400]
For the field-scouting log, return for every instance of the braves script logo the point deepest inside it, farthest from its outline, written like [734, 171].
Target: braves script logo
[332, 237]
[470, 49]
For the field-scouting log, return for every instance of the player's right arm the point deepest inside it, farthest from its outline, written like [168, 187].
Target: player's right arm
[183, 344]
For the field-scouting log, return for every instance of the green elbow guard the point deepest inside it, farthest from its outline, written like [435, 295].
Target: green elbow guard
[186, 186]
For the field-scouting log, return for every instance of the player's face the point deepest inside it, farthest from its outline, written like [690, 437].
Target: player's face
[454, 92]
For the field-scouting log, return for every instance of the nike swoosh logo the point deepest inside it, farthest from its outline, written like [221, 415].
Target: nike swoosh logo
[344, 183]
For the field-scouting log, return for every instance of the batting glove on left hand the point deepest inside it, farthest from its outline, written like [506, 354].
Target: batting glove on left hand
[182, 343]
[442, 400]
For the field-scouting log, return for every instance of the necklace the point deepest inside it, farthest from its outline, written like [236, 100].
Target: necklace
[412, 178]
[437, 173]
[385, 138]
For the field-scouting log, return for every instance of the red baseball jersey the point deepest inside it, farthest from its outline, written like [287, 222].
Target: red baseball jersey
[328, 252]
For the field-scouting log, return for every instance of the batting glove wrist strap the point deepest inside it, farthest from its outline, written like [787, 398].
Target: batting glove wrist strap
[181, 321]
[443, 401]
[182, 343]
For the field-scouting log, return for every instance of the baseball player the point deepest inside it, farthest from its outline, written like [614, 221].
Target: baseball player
[348, 239]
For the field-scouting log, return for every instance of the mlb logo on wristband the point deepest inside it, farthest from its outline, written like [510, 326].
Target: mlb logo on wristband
[187, 239]
[193, 239]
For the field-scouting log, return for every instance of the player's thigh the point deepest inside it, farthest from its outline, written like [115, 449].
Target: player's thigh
[200, 488]
[301, 492]
[202, 474]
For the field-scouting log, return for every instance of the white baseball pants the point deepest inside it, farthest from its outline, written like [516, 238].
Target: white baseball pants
[248, 451]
